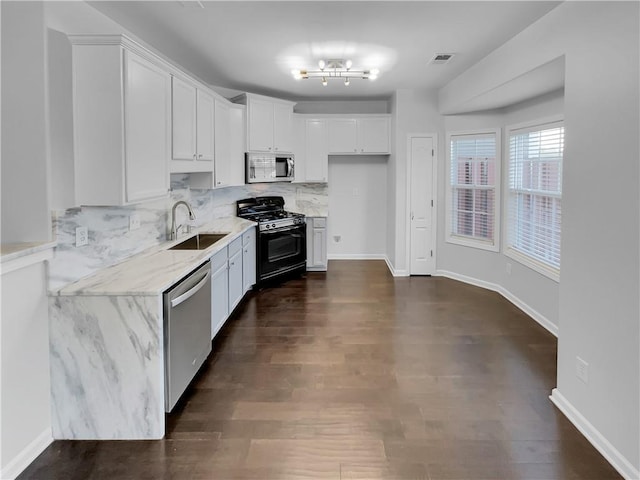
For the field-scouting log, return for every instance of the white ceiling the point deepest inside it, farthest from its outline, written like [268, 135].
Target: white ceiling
[253, 46]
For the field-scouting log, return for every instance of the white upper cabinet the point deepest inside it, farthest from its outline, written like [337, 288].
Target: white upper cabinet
[316, 151]
[192, 122]
[269, 123]
[205, 125]
[343, 135]
[359, 136]
[373, 135]
[146, 128]
[260, 125]
[183, 120]
[282, 127]
[223, 144]
[122, 104]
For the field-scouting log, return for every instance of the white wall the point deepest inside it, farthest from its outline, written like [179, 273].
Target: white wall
[25, 193]
[600, 274]
[415, 111]
[537, 294]
[357, 206]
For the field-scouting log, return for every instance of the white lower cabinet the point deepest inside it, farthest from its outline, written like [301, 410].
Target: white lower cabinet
[233, 273]
[249, 259]
[316, 244]
[236, 290]
[219, 291]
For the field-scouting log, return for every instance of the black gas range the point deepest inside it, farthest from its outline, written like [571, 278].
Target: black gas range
[282, 237]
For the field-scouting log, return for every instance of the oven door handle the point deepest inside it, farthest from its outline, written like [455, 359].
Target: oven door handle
[283, 230]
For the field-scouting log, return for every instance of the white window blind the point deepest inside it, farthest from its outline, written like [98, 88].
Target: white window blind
[472, 188]
[535, 193]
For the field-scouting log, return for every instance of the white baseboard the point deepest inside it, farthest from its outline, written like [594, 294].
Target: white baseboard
[608, 451]
[356, 256]
[392, 269]
[532, 312]
[21, 461]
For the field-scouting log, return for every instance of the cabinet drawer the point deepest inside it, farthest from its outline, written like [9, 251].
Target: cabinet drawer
[235, 246]
[320, 222]
[248, 236]
[219, 260]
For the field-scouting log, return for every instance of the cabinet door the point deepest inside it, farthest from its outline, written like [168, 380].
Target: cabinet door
[317, 244]
[205, 126]
[373, 135]
[343, 135]
[282, 128]
[219, 295]
[249, 259]
[237, 145]
[260, 125]
[235, 280]
[316, 151]
[147, 107]
[183, 115]
[223, 144]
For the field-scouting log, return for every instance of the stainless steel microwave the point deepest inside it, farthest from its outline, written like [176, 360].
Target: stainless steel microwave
[269, 167]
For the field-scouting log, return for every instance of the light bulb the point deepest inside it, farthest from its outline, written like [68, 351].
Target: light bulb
[373, 74]
[346, 82]
[348, 65]
[321, 64]
[324, 81]
[296, 74]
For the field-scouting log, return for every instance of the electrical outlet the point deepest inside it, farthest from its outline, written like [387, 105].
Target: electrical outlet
[337, 238]
[82, 236]
[508, 268]
[134, 221]
[582, 370]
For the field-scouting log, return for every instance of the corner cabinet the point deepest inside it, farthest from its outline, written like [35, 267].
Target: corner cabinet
[269, 123]
[122, 104]
[192, 132]
[316, 244]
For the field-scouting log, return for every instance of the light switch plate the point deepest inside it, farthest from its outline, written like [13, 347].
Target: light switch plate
[82, 236]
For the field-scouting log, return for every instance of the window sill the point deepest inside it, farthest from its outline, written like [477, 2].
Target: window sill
[543, 269]
[473, 243]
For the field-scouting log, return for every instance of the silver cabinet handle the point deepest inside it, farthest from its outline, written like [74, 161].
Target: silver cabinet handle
[191, 292]
[200, 156]
[194, 156]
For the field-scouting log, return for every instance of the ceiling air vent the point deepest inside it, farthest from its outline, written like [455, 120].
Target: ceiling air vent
[442, 58]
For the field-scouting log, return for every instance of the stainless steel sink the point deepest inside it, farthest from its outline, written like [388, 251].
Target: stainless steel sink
[199, 241]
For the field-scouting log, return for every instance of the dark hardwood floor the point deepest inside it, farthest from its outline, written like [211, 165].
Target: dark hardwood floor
[357, 375]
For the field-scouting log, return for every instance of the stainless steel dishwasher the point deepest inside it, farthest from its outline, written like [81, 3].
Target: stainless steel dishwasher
[187, 331]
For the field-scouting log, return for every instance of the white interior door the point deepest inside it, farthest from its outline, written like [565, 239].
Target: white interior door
[421, 151]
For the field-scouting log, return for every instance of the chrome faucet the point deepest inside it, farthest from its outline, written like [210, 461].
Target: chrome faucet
[174, 229]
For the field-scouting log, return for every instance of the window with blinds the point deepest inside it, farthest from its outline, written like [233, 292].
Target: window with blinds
[472, 194]
[535, 195]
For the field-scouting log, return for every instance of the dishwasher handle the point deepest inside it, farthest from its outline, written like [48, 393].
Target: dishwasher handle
[192, 291]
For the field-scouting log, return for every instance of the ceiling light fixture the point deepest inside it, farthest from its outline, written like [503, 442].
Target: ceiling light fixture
[336, 69]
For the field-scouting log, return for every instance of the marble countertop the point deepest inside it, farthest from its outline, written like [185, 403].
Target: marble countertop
[156, 269]
[12, 251]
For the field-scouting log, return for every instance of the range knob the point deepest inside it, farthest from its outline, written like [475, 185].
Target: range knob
[273, 225]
